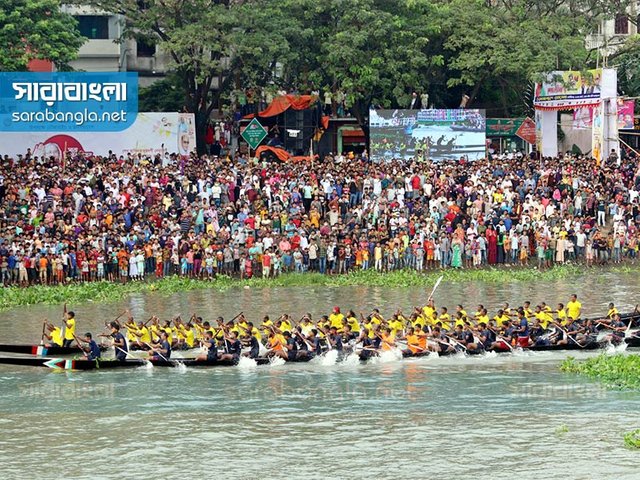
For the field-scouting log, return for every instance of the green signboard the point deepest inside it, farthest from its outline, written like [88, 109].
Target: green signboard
[503, 127]
[254, 133]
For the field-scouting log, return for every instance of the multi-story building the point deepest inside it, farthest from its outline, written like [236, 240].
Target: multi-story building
[104, 51]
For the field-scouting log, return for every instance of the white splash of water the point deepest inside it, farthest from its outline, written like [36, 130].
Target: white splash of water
[276, 361]
[351, 360]
[612, 349]
[146, 366]
[180, 367]
[327, 359]
[388, 356]
[246, 364]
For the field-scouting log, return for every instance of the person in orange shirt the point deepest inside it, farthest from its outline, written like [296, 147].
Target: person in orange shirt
[429, 248]
[416, 342]
[123, 263]
[387, 340]
[42, 267]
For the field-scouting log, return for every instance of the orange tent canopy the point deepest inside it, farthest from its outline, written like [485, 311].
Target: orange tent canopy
[285, 102]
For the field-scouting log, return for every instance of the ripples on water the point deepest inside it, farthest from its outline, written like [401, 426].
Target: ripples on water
[494, 416]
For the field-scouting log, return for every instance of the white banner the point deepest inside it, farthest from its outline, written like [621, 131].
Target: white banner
[151, 134]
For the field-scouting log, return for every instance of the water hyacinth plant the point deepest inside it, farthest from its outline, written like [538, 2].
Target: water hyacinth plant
[614, 371]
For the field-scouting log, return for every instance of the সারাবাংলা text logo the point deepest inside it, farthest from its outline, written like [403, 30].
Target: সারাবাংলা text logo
[68, 101]
[52, 92]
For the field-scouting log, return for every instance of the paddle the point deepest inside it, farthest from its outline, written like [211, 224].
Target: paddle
[159, 354]
[567, 334]
[84, 352]
[456, 342]
[44, 327]
[626, 332]
[435, 287]
[500, 337]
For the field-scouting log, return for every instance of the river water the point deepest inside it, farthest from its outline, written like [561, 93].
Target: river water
[480, 417]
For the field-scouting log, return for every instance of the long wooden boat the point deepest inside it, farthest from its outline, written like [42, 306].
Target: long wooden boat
[83, 364]
[42, 350]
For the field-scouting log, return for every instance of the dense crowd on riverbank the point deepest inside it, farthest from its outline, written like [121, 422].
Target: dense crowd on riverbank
[130, 218]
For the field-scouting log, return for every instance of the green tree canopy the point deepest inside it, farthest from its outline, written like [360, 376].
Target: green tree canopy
[36, 29]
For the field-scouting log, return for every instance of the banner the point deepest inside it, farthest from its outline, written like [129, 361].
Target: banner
[597, 135]
[150, 134]
[626, 111]
[433, 135]
[583, 116]
[568, 89]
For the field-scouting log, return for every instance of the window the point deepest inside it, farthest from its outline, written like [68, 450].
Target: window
[622, 25]
[94, 27]
[145, 48]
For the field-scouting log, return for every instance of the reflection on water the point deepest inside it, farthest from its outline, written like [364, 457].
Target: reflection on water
[492, 416]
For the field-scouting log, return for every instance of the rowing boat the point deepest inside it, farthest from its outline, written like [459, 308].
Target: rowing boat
[42, 350]
[84, 364]
[101, 364]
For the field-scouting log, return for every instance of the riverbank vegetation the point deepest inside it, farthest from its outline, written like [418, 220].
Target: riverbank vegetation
[614, 371]
[108, 291]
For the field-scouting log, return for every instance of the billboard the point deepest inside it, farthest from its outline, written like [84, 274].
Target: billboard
[150, 134]
[583, 116]
[568, 89]
[434, 135]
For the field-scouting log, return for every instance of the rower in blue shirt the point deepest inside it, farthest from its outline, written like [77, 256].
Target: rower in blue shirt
[119, 342]
[91, 350]
[209, 343]
[163, 350]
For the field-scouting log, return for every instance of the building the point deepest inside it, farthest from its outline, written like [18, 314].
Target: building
[103, 52]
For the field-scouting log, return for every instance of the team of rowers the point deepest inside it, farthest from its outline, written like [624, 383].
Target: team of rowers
[424, 330]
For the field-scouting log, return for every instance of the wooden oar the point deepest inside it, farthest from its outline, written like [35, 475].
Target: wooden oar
[626, 332]
[161, 356]
[434, 288]
[569, 336]
[85, 353]
[44, 327]
[456, 341]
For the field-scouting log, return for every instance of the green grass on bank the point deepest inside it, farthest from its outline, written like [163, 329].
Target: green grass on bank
[106, 291]
[614, 371]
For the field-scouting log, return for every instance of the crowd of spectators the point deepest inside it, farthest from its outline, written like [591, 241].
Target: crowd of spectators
[124, 219]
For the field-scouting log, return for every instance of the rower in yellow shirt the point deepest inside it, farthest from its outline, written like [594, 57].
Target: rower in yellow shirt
[574, 307]
[53, 334]
[335, 319]
[353, 323]
[561, 314]
[285, 324]
[306, 325]
[429, 311]
[445, 319]
[613, 311]
[528, 313]
[500, 318]
[70, 329]
[545, 318]
[395, 325]
[482, 316]
[266, 321]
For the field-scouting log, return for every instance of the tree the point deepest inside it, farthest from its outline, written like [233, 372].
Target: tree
[36, 29]
[499, 47]
[196, 36]
[374, 51]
